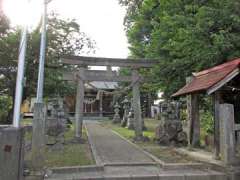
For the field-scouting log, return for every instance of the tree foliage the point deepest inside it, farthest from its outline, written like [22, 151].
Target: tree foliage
[64, 37]
[185, 35]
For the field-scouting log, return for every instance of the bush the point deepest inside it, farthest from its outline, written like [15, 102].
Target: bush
[207, 122]
[5, 107]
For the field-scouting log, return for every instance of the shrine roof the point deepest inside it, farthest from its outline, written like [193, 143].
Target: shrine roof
[211, 79]
[102, 85]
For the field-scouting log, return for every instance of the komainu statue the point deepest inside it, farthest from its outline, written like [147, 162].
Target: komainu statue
[170, 130]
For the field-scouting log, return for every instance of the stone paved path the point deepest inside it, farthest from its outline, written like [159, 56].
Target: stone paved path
[118, 159]
[109, 148]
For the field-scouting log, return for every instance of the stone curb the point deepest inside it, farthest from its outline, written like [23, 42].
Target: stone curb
[76, 169]
[196, 156]
[166, 166]
[129, 164]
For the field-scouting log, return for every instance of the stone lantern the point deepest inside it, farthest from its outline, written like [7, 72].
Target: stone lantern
[126, 107]
[130, 119]
[116, 117]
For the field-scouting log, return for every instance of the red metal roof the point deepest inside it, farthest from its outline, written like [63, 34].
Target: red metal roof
[205, 79]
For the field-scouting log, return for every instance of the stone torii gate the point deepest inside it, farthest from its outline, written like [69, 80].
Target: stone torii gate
[83, 75]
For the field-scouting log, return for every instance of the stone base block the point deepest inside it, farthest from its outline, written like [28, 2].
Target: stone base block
[11, 153]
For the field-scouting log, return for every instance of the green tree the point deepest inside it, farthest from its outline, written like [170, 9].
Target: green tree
[186, 36]
[63, 38]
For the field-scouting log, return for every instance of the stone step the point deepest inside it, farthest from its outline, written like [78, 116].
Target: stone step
[132, 172]
[92, 118]
[139, 177]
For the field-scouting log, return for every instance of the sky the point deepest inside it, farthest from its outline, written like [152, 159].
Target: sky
[101, 20]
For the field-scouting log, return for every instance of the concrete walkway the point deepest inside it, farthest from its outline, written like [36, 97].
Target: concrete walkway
[109, 148]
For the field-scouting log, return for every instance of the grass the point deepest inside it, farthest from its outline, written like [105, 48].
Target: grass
[72, 154]
[164, 153]
[129, 134]
[167, 154]
[26, 121]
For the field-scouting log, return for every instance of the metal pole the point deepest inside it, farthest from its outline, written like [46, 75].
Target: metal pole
[42, 55]
[20, 78]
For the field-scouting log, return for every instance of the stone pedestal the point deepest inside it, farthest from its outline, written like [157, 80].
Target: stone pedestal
[227, 134]
[38, 136]
[11, 153]
[124, 121]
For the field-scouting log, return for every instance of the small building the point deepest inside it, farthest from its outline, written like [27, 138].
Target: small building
[222, 82]
[98, 99]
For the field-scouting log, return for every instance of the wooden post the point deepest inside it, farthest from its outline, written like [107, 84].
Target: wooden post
[100, 103]
[85, 109]
[149, 95]
[216, 103]
[193, 118]
[138, 125]
[79, 104]
[194, 122]
[109, 69]
[91, 105]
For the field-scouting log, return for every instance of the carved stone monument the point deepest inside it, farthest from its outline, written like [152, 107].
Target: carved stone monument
[170, 131]
[56, 124]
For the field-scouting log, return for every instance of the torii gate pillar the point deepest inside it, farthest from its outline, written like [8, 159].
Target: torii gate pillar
[79, 104]
[138, 122]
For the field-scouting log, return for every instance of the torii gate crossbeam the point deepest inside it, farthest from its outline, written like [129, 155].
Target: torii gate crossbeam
[86, 75]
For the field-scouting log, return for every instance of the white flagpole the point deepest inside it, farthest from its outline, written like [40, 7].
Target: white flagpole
[20, 78]
[42, 55]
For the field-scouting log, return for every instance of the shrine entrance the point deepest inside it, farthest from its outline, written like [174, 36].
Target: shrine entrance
[83, 75]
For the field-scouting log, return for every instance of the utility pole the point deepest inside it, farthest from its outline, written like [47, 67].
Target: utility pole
[20, 78]
[42, 54]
